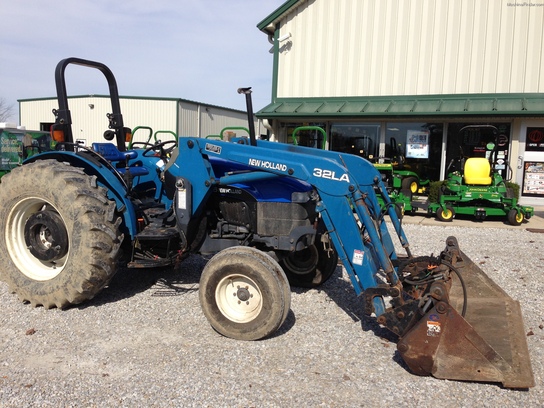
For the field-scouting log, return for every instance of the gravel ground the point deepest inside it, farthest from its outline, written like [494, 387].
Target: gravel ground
[143, 341]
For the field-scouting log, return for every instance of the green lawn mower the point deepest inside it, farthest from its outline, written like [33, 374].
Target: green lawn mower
[475, 188]
[403, 177]
[400, 187]
[402, 183]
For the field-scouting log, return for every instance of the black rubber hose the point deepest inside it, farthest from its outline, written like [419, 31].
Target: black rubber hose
[465, 295]
[438, 261]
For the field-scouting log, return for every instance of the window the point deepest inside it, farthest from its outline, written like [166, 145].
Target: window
[361, 139]
[471, 140]
[46, 126]
[415, 146]
[305, 134]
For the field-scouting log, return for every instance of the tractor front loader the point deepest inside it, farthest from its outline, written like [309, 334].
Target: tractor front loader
[274, 215]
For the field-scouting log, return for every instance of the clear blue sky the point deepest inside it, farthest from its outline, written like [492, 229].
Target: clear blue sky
[200, 50]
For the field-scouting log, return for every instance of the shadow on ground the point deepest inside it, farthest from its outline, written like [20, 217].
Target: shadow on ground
[165, 281]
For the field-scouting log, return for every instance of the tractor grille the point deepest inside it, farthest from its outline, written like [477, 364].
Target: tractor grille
[281, 218]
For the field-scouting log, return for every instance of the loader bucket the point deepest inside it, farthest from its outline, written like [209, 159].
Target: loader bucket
[488, 344]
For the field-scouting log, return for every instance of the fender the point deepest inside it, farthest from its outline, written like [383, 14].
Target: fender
[105, 178]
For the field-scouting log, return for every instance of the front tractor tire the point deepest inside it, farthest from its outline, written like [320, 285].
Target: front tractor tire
[244, 294]
[60, 236]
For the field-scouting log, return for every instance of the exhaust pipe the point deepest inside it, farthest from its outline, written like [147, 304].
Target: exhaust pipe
[249, 107]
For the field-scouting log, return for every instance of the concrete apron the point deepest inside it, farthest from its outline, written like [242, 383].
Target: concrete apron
[535, 224]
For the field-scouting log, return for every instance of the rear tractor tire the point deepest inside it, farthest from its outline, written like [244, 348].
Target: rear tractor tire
[243, 294]
[446, 215]
[515, 218]
[59, 234]
[311, 267]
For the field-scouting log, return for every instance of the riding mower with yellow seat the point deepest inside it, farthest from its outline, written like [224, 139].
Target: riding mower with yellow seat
[477, 189]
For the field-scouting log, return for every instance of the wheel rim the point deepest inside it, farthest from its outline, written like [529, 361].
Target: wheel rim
[238, 298]
[49, 257]
[303, 262]
[519, 218]
[413, 187]
[447, 214]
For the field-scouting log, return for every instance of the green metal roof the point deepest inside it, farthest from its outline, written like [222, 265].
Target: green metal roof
[403, 106]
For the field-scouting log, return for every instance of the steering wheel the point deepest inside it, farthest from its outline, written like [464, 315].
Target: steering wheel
[159, 148]
[144, 144]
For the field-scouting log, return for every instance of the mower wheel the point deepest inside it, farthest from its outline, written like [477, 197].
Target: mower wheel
[514, 217]
[242, 295]
[410, 183]
[311, 267]
[60, 237]
[446, 215]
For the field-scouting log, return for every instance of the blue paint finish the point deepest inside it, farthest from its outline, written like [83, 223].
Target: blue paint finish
[262, 185]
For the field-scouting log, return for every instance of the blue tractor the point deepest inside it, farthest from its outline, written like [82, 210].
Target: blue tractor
[271, 215]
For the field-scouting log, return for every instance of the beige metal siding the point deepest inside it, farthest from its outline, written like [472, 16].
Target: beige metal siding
[215, 119]
[188, 119]
[157, 114]
[204, 120]
[32, 113]
[411, 47]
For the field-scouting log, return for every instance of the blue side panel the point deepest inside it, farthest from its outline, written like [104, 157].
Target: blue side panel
[277, 189]
[223, 167]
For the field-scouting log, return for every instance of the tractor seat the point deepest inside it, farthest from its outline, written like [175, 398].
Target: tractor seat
[111, 153]
[477, 171]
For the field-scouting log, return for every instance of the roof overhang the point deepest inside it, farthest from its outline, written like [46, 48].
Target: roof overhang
[407, 106]
[268, 25]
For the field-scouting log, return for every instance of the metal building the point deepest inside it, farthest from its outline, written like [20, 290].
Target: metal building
[449, 74]
[183, 117]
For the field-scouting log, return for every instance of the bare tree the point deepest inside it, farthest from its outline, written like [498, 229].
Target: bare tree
[6, 110]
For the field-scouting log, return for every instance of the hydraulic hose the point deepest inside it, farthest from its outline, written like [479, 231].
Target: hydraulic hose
[430, 278]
